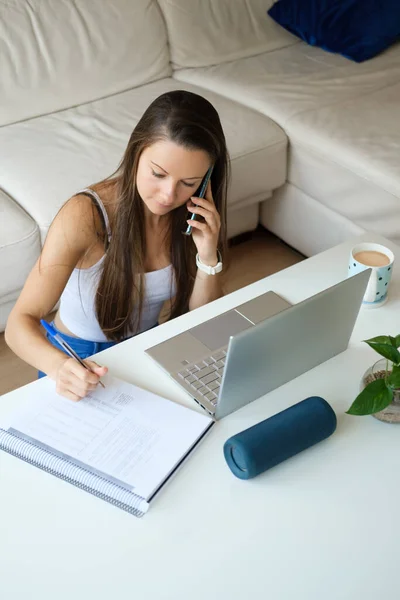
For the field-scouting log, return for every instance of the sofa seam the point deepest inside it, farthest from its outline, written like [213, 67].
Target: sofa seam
[162, 15]
[261, 149]
[232, 60]
[61, 110]
[31, 234]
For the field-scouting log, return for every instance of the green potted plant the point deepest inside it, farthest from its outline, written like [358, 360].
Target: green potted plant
[380, 385]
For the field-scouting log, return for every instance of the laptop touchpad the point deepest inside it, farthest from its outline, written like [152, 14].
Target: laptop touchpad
[216, 332]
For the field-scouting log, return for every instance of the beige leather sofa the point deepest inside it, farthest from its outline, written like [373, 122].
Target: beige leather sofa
[314, 139]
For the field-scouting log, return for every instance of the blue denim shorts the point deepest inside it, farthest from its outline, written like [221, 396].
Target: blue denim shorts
[83, 348]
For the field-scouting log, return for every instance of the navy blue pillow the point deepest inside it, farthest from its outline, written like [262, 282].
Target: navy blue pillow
[357, 29]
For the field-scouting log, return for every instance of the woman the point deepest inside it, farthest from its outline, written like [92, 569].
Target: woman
[115, 252]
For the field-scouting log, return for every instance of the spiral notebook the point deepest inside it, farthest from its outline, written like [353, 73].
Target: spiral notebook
[120, 443]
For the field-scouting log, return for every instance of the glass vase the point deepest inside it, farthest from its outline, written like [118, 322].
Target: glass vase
[390, 414]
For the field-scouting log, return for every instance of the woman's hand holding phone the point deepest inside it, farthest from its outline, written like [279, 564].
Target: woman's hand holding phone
[205, 233]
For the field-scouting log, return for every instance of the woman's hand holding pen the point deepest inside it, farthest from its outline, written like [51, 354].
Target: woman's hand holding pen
[74, 381]
[205, 233]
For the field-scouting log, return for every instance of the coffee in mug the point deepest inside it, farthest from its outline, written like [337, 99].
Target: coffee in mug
[380, 260]
[372, 258]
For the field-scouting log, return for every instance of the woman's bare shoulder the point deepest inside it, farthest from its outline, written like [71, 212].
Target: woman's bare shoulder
[80, 222]
[77, 223]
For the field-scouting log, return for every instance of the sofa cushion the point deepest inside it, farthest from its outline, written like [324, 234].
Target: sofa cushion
[358, 29]
[209, 32]
[48, 159]
[296, 79]
[19, 247]
[56, 54]
[354, 147]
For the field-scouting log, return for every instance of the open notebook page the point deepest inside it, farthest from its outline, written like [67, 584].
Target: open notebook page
[127, 433]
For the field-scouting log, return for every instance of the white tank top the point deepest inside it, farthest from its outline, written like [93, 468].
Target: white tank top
[77, 303]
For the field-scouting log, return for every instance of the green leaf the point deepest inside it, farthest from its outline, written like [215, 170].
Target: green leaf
[375, 397]
[384, 349]
[393, 380]
[379, 339]
[397, 341]
[396, 369]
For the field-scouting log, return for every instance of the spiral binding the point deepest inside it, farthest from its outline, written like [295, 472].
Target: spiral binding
[68, 471]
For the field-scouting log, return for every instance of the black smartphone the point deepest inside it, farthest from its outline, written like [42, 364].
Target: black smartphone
[201, 194]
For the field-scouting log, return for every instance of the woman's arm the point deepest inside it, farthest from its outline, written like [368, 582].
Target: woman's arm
[205, 236]
[70, 235]
[206, 288]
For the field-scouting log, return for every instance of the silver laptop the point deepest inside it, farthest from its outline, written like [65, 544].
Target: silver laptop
[244, 353]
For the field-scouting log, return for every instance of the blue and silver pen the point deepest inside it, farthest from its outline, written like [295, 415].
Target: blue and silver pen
[51, 331]
[202, 193]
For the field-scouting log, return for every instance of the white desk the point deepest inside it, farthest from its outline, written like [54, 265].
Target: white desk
[324, 525]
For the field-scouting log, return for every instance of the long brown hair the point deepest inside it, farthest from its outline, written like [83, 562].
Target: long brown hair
[190, 121]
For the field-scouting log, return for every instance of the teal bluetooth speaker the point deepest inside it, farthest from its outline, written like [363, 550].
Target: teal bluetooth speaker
[276, 439]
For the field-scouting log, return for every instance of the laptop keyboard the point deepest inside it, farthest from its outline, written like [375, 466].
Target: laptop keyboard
[205, 376]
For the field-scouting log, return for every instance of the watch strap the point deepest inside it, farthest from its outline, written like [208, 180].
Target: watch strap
[206, 268]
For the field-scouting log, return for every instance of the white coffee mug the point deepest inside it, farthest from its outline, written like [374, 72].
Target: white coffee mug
[371, 256]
